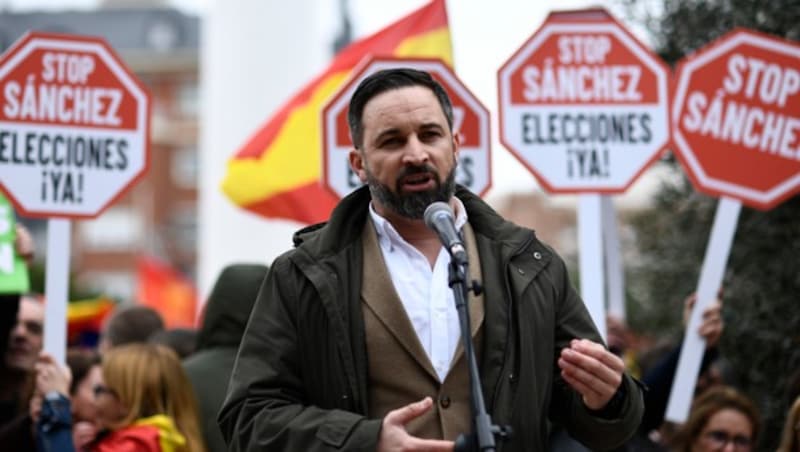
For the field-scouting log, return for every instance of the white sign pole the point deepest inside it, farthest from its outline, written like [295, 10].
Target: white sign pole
[57, 288]
[590, 240]
[716, 258]
[615, 273]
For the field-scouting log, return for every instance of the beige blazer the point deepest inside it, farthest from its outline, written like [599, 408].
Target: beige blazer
[399, 369]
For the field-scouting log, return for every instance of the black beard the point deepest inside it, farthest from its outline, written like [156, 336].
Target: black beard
[412, 205]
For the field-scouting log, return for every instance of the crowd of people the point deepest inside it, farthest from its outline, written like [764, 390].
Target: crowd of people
[139, 391]
[142, 388]
[351, 341]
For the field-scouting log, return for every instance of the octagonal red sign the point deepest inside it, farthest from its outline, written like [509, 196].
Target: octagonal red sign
[74, 125]
[583, 104]
[736, 118]
[470, 120]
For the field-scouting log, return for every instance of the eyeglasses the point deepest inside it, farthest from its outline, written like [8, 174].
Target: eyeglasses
[99, 390]
[720, 438]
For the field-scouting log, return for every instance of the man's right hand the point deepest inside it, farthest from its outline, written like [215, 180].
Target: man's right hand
[394, 436]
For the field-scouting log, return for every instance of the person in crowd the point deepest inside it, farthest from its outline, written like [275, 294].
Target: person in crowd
[721, 419]
[659, 379]
[51, 402]
[143, 403]
[21, 328]
[209, 368]
[790, 438]
[129, 324]
[183, 341]
[87, 373]
[25, 341]
[75, 383]
[353, 342]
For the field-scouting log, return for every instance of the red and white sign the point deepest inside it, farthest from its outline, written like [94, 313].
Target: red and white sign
[470, 119]
[74, 125]
[583, 104]
[736, 118]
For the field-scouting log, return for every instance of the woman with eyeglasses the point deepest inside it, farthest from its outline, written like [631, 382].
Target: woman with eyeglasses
[721, 419]
[143, 403]
[790, 440]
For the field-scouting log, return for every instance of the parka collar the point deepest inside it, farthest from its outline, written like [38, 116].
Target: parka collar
[347, 220]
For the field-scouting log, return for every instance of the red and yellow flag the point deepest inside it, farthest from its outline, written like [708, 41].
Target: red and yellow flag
[277, 173]
[167, 291]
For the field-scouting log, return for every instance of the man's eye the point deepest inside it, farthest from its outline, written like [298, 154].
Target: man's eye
[34, 327]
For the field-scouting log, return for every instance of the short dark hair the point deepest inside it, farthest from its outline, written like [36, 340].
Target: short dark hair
[386, 80]
[132, 324]
[80, 362]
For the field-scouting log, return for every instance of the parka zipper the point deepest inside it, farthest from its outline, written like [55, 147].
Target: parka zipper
[510, 318]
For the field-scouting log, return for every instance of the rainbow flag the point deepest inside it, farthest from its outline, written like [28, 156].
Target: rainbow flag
[85, 319]
[277, 173]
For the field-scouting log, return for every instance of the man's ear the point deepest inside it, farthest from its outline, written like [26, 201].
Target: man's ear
[457, 138]
[357, 164]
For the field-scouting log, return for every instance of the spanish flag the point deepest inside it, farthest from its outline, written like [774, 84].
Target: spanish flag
[277, 173]
[167, 291]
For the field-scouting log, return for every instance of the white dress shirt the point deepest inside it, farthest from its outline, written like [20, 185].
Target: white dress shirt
[426, 297]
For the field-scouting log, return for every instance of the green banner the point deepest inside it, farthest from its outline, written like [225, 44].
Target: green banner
[13, 270]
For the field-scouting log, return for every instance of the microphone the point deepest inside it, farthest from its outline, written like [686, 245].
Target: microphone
[439, 217]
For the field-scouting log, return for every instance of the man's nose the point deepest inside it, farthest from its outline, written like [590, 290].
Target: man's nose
[19, 330]
[415, 152]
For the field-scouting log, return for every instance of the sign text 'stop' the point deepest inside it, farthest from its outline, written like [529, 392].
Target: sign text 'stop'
[736, 118]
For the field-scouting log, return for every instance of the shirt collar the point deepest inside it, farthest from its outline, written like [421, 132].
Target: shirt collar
[388, 235]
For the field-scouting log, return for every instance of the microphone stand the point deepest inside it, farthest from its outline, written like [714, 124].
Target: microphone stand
[482, 439]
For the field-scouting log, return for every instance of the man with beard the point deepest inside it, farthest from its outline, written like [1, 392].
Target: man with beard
[353, 342]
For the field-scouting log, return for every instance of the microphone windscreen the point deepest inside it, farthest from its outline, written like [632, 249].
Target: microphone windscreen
[436, 209]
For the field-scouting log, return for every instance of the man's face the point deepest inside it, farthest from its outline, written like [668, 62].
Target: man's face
[25, 340]
[408, 154]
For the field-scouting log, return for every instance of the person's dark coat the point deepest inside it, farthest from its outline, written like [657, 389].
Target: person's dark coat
[300, 381]
[209, 368]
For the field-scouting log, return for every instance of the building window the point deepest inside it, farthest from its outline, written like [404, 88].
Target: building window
[118, 285]
[187, 99]
[184, 168]
[183, 228]
[117, 229]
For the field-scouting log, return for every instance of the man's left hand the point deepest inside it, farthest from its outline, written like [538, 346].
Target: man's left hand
[591, 370]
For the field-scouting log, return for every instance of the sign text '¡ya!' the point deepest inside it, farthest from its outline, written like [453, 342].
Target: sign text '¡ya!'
[58, 99]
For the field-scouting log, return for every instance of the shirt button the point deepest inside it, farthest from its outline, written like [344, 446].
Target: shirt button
[444, 402]
[537, 255]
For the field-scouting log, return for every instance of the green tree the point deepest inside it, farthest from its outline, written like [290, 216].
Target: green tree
[762, 282]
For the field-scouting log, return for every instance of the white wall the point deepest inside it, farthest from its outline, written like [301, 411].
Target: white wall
[254, 55]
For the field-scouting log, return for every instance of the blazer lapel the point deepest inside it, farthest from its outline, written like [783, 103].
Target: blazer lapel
[380, 297]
